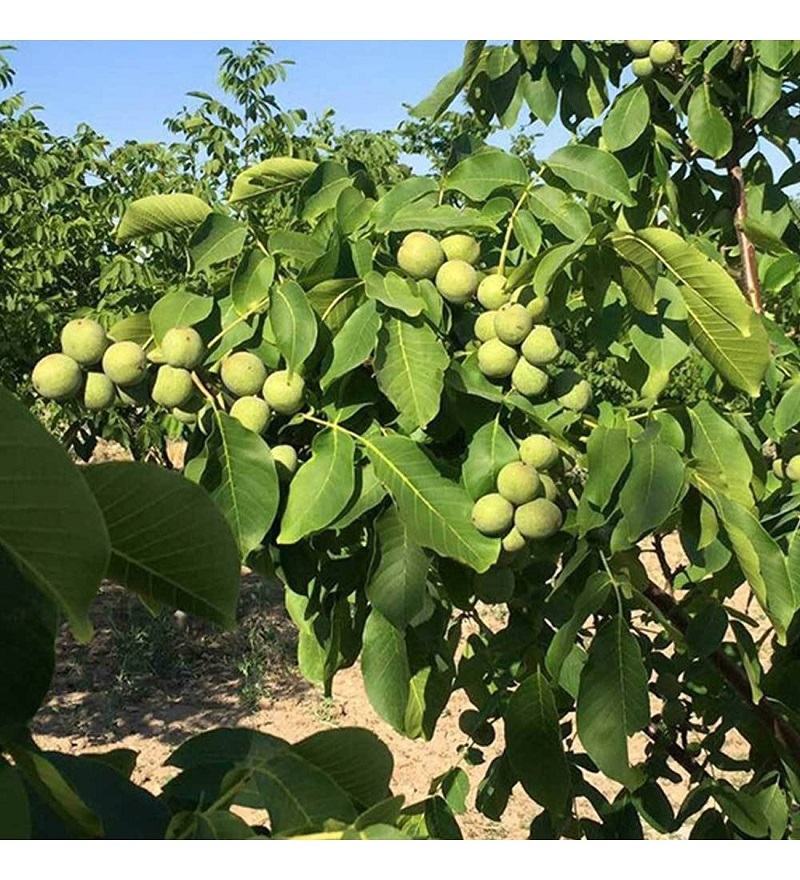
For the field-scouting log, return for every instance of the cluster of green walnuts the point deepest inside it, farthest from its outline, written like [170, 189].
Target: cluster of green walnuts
[523, 508]
[102, 373]
[651, 55]
[514, 346]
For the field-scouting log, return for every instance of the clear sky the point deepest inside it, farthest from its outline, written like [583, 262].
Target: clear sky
[125, 89]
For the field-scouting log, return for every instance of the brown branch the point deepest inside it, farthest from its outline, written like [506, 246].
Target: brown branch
[749, 270]
[780, 729]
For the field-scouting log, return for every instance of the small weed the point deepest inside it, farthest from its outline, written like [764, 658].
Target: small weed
[259, 655]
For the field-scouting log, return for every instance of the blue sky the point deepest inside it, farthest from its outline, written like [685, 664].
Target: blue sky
[125, 89]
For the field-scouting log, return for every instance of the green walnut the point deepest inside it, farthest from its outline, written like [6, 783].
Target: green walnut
[84, 340]
[542, 346]
[484, 326]
[252, 412]
[492, 514]
[457, 281]
[538, 451]
[513, 323]
[639, 48]
[530, 381]
[662, 53]
[518, 483]
[778, 469]
[496, 359]
[514, 541]
[420, 255]
[492, 292]
[538, 519]
[792, 469]
[538, 306]
[643, 68]
[183, 347]
[572, 391]
[494, 586]
[57, 377]
[284, 392]
[243, 373]
[98, 392]
[461, 247]
[285, 458]
[125, 363]
[173, 386]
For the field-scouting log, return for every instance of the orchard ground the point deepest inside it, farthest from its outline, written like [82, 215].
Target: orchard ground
[147, 684]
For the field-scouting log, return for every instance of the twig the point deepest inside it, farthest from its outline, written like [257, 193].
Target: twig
[749, 271]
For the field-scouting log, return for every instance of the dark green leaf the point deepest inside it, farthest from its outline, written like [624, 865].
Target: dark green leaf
[252, 280]
[219, 238]
[593, 171]
[293, 323]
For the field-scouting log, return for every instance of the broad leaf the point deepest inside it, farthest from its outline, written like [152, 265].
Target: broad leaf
[269, 176]
[161, 213]
[135, 327]
[50, 525]
[329, 478]
[627, 119]
[353, 344]
[169, 542]
[410, 362]
[592, 171]
[321, 189]
[240, 476]
[652, 488]
[554, 206]
[294, 324]
[219, 238]
[534, 747]
[395, 292]
[608, 451]
[787, 412]
[436, 511]
[178, 309]
[398, 584]
[482, 173]
[252, 280]
[15, 818]
[385, 669]
[612, 701]
[400, 196]
[709, 128]
[449, 86]
[489, 450]
[717, 447]
[589, 600]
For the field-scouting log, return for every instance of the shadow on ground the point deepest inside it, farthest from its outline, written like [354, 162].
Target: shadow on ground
[168, 677]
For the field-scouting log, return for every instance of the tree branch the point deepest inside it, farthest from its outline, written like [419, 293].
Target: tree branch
[779, 728]
[749, 270]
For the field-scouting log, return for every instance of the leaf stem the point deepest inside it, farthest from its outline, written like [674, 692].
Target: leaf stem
[248, 314]
[501, 265]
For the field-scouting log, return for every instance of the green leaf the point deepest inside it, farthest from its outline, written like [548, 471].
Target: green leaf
[763, 91]
[708, 126]
[592, 171]
[50, 525]
[589, 600]
[554, 206]
[385, 669]
[454, 786]
[240, 476]
[15, 818]
[448, 88]
[774, 54]
[401, 195]
[748, 654]
[787, 412]
[135, 327]
[169, 542]
[293, 323]
[437, 218]
[355, 759]
[369, 492]
[28, 626]
[652, 488]
[741, 808]
[179, 309]
[298, 246]
[489, 450]
[269, 176]
[436, 511]
[353, 344]
[216, 825]
[219, 238]
[252, 280]
[723, 326]
[627, 118]
[398, 585]
[528, 232]
[760, 558]
[717, 448]
[161, 213]
[485, 172]
[321, 189]
[353, 210]
[534, 747]
[329, 478]
[395, 292]
[410, 362]
[706, 630]
[608, 451]
[612, 701]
